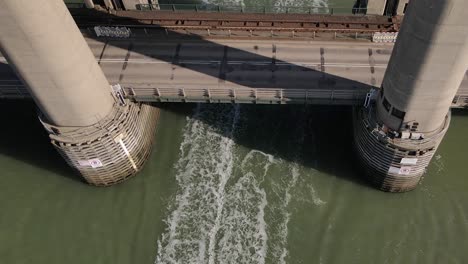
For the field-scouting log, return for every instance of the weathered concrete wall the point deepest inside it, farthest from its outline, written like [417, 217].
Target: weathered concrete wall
[428, 63]
[376, 7]
[53, 60]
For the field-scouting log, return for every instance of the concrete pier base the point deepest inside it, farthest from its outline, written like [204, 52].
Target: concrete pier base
[111, 150]
[392, 164]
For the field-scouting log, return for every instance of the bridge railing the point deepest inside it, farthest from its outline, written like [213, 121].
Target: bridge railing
[234, 95]
[279, 9]
[248, 95]
[143, 31]
[460, 101]
[252, 9]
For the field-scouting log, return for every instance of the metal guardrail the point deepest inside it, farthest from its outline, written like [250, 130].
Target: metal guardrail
[460, 101]
[112, 32]
[242, 8]
[384, 37]
[225, 95]
[252, 9]
[247, 95]
[235, 95]
[137, 31]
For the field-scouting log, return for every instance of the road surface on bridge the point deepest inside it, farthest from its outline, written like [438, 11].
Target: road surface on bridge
[199, 69]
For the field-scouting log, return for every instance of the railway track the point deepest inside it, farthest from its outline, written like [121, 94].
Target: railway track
[238, 21]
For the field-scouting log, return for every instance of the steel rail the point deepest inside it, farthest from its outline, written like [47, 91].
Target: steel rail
[251, 22]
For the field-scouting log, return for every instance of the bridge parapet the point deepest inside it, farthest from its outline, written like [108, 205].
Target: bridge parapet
[235, 95]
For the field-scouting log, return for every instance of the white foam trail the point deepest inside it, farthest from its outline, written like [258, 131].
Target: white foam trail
[244, 231]
[222, 212]
[283, 230]
[439, 163]
[226, 3]
[202, 171]
[315, 199]
[244, 235]
[317, 6]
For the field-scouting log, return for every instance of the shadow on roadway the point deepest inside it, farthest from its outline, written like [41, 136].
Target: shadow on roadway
[272, 73]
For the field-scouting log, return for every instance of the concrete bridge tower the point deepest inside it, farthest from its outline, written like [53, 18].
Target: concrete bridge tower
[105, 138]
[398, 135]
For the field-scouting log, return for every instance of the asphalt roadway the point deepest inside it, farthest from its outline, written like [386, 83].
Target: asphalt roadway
[227, 63]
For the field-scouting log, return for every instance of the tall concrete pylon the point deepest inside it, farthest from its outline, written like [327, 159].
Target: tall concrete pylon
[107, 139]
[397, 137]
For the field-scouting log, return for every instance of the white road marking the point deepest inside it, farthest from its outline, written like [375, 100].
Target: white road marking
[256, 63]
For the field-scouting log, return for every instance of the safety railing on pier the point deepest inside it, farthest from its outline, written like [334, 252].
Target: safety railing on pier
[234, 95]
[247, 95]
[278, 33]
[273, 9]
[460, 101]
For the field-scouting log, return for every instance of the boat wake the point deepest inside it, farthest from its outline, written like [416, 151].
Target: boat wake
[232, 204]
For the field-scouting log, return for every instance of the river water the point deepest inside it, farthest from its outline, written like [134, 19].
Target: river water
[230, 184]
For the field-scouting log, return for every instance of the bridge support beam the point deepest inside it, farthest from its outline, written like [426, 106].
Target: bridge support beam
[397, 135]
[383, 7]
[106, 140]
[89, 3]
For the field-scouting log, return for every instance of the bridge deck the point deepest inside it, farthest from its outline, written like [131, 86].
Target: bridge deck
[238, 21]
[269, 71]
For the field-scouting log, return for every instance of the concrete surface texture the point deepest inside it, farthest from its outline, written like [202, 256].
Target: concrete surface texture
[53, 60]
[381, 7]
[428, 64]
[267, 64]
[376, 7]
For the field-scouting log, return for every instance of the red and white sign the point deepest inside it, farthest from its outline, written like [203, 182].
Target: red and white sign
[94, 163]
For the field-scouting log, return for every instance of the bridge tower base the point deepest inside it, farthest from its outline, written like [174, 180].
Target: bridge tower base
[397, 135]
[392, 164]
[100, 134]
[112, 150]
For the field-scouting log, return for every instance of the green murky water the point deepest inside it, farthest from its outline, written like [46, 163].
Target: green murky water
[230, 184]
